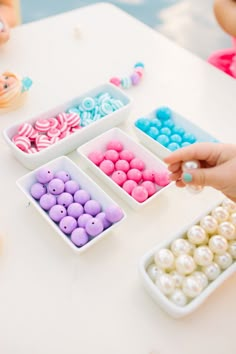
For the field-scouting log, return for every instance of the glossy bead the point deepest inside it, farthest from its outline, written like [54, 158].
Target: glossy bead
[164, 258]
[176, 138]
[223, 260]
[173, 146]
[178, 130]
[180, 246]
[168, 123]
[148, 175]
[114, 145]
[37, 190]
[96, 157]
[126, 155]
[202, 278]
[44, 175]
[115, 81]
[229, 205]
[134, 174]
[112, 155]
[218, 244]
[192, 286]
[107, 167]
[166, 284]
[79, 237]
[75, 210]
[185, 264]
[119, 177]
[135, 78]
[68, 224]
[190, 138]
[156, 123]
[178, 298]
[163, 139]
[150, 187]
[184, 144]
[143, 124]
[137, 163]
[232, 249]
[154, 272]
[122, 165]
[178, 278]
[196, 235]
[153, 132]
[57, 212]
[92, 207]
[166, 131]
[81, 196]
[47, 201]
[232, 219]
[65, 199]
[163, 113]
[209, 224]
[220, 214]
[140, 194]
[190, 165]
[162, 178]
[71, 186]
[227, 230]
[203, 256]
[94, 227]
[212, 271]
[129, 185]
[114, 213]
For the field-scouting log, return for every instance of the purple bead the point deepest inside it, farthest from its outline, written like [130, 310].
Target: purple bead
[56, 186]
[71, 187]
[83, 219]
[37, 190]
[114, 213]
[57, 212]
[135, 78]
[68, 224]
[65, 199]
[44, 175]
[92, 207]
[75, 210]
[79, 237]
[81, 196]
[63, 175]
[47, 201]
[102, 217]
[94, 227]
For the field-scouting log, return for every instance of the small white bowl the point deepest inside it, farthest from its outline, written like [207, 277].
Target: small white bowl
[100, 142]
[159, 149]
[163, 301]
[72, 141]
[64, 163]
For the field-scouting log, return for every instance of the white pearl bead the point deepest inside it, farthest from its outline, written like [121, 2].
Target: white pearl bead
[178, 298]
[232, 218]
[229, 205]
[223, 260]
[153, 271]
[209, 224]
[220, 214]
[212, 271]
[180, 246]
[190, 165]
[232, 249]
[218, 244]
[196, 235]
[192, 287]
[227, 229]
[164, 258]
[202, 278]
[166, 284]
[185, 264]
[203, 255]
[178, 278]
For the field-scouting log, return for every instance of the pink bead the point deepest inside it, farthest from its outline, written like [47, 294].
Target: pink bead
[73, 119]
[61, 118]
[135, 175]
[137, 163]
[75, 129]
[162, 178]
[32, 150]
[53, 123]
[112, 155]
[114, 145]
[119, 177]
[96, 157]
[25, 129]
[129, 185]
[140, 194]
[54, 139]
[115, 81]
[15, 137]
[53, 132]
[107, 167]
[122, 165]
[64, 134]
[150, 187]
[23, 143]
[42, 142]
[63, 127]
[126, 155]
[42, 125]
[149, 175]
[33, 135]
[139, 71]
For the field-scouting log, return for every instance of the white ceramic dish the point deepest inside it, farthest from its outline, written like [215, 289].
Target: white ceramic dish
[100, 142]
[163, 301]
[64, 163]
[72, 141]
[189, 127]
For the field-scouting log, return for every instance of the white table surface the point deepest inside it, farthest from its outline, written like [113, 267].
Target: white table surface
[53, 301]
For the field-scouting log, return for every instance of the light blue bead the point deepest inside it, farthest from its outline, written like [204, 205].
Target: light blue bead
[175, 138]
[126, 82]
[88, 103]
[103, 96]
[178, 130]
[190, 138]
[139, 64]
[156, 123]
[153, 132]
[184, 144]
[143, 124]
[163, 140]
[165, 131]
[105, 109]
[173, 146]
[168, 123]
[116, 104]
[73, 110]
[163, 113]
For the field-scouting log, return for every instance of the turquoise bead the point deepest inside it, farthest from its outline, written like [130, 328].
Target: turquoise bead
[165, 131]
[139, 65]
[143, 124]
[156, 123]
[163, 139]
[153, 132]
[175, 138]
[163, 113]
[173, 146]
[178, 130]
[190, 138]
[184, 144]
[169, 123]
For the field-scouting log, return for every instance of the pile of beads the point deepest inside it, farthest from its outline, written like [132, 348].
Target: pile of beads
[161, 127]
[191, 263]
[32, 138]
[128, 171]
[78, 216]
[132, 80]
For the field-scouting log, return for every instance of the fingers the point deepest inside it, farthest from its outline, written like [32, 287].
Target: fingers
[4, 33]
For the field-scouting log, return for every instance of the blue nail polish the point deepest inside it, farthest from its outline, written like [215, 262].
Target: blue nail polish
[187, 177]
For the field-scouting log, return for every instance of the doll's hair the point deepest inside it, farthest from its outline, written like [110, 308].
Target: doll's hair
[14, 97]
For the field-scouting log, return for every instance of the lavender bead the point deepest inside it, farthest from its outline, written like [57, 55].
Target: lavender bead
[79, 237]
[68, 224]
[92, 207]
[57, 212]
[114, 213]
[56, 186]
[135, 78]
[81, 196]
[63, 175]
[71, 187]
[37, 190]
[65, 199]
[44, 175]
[75, 210]
[47, 201]
[102, 217]
[94, 227]
[83, 219]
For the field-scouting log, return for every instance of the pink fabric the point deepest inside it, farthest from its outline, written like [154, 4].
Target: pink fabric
[225, 60]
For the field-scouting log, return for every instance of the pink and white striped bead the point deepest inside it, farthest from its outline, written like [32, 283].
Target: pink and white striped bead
[53, 132]
[23, 143]
[33, 135]
[42, 142]
[61, 118]
[25, 129]
[42, 125]
[73, 119]
[53, 123]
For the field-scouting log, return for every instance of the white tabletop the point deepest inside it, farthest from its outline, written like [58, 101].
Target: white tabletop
[53, 301]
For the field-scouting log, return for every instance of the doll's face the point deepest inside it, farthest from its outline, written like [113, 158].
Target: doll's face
[6, 82]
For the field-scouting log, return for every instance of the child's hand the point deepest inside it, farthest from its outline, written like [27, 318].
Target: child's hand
[218, 167]
[4, 31]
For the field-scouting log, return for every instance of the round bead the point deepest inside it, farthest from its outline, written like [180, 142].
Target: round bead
[223, 260]
[119, 177]
[81, 196]
[153, 132]
[178, 278]
[212, 271]
[129, 185]
[190, 165]
[71, 187]
[114, 213]
[162, 178]
[75, 210]
[232, 219]
[88, 103]
[65, 199]
[57, 212]
[180, 246]
[166, 284]
[143, 124]
[83, 219]
[202, 278]
[63, 175]
[218, 244]
[190, 138]
[150, 187]
[92, 207]
[102, 217]
[140, 194]
[68, 224]
[56, 186]
[185, 264]
[203, 256]
[122, 165]
[37, 190]
[196, 235]
[209, 224]
[96, 157]
[232, 249]
[220, 214]
[154, 272]
[115, 81]
[112, 155]
[178, 130]
[163, 113]
[47, 201]
[134, 174]
[94, 227]
[165, 131]
[107, 167]
[229, 205]
[135, 78]
[227, 230]
[164, 259]
[176, 138]
[126, 155]
[44, 175]
[149, 175]
[178, 298]
[173, 146]
[163, 139]
[137, 163]
[115, 145]
[192, 286]
[79, 237]
[169, 123]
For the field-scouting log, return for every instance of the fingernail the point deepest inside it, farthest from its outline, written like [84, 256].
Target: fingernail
[187, 177]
